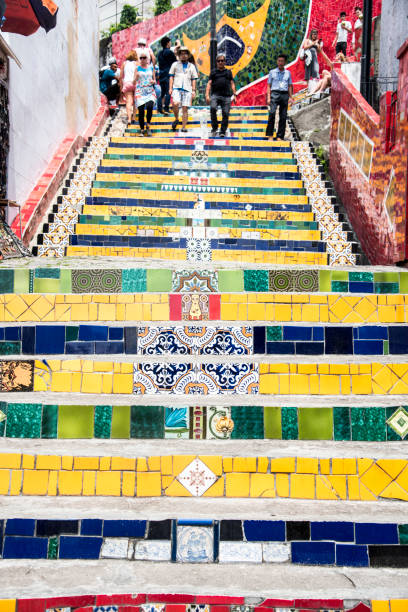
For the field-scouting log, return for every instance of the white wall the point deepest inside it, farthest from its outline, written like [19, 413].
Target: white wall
[55, 94]
[394, 32]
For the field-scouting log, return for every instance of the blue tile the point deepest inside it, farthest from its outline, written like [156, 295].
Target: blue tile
[190, 522]
[116, 333]
[361, 287]
[259, 340]
[368, 347]
[82, 547]
[25, 548]
[309, 348]
[372, 332]
[376, 533]
[338, 531]
[313, 553]
[318, 334]
[56, 527]
[398, 339]
[280, 348]
[1, 333]
[21, 527]
[297, 333]
[126, 529]
[91, 527]
[131, 340]
[93, 332]
[264, 531]
[109, 348]
[352, 555]
[12, 333]
[339, 340]
[28, 343]
[50, 339]
[80, 348]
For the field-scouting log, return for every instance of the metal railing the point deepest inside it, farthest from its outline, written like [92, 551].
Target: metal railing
[377, 86]
[114, 18]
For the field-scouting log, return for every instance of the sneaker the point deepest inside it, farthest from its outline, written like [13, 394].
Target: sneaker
[166, 113]
[140, 133]
[148, 132]
[184, 130]
[174, 125]
[213, 134]
[222, 134]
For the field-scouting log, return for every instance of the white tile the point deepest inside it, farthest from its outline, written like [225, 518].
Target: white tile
[237, 552]
[153, 550]
[276, 553]
[195, 544]
[115, 548]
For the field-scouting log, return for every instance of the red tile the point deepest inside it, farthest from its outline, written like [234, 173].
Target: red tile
[220, 599]
[220, 609]
[61, 602]
[278, 602]
[129, 608]
[31, 605]
[170, 598]
[175, 306]
[102, 600]
[314, 604]
[215, 307]
[175, 608]
[359, 608]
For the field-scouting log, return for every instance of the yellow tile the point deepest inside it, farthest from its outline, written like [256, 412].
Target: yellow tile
[67, 462]
[142, 464]
[160, 312]
[216, 490]
[86, 463]
[28, 462]
[324, 489]
[237, 485]
[299, 384]
[123, 463]
[48, 462]
[35, 482]
[89, 483]
[61, 382]
[324, 466]
[375, 479]
[269, 384]
[244, 464]
[91, 383]
[380, 606]
[7, 605]
[214, 462]
[4, 481]
[16, 480]
[126, 368]
[363, 465]
[262, 485]
[180, 462]
[10, 460]
[167, 465]
[106, 312]
[329, 385]
[108, 483]
[339, 484]
[176, 489]
[361, 384]
[154, 463]
[353, 483]
[148, 484]
[263, 463]
[227, 464]
[306, 465]
[284, 464]
[282, 485]
[394, 491]
[128, 484]
[343, 466]
[70, 483]
[302, 486]
[123, 383]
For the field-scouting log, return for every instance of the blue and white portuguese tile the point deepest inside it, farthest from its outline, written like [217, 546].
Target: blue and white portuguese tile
[275, 553]
[201, 281]
[176, 423]
[117, 548]
[105, 609]
[237, 552]
[195, 379]
[153, 550]
[195, 544]
[195, 340]
[153, 607]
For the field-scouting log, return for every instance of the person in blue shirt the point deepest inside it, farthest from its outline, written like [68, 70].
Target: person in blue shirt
[108, 83]
[279, 93]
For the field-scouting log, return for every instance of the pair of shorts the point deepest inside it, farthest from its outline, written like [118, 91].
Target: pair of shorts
[341, 47]
[181, 97]
[128, 88]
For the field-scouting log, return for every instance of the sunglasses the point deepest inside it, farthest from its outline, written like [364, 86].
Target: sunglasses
[143, 57]
[221, 61]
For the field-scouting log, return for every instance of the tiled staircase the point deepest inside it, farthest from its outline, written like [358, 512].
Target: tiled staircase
[156, 350]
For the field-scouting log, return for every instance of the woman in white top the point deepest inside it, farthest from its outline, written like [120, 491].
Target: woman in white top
[127, 82]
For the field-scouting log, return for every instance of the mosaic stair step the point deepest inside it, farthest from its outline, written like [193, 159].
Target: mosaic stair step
[194, 339]
[261, 174]
[192, 161]
[268, 156]
[171, 142]
[216, 476]
[225, 423]
[216, 198]
[318, 543]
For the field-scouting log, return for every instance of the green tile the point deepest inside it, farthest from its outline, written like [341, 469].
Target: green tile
[10, 348]
[24, 421]
[315, 423]
[49, 422]
[102, 421]
[47, 273]
[338, 275]
[340, 286]
[71, 333]
[256, 280]
[391, 434]
[325, 281]
[3, 417]
[272, 422]
[120, 422]
[403, 282]
[289, 423]
[6, 281]
[403, 533]
[274, 333]
[52, 548]
[66, 281]
[21, 281]
[46, 285]
[230, 280]
[248, 422]
[386, 277]
[147, 422]
[341, 423]
[359, 277]
[75, 422]
[386, 288]
[134, 281]
[159, 280]
[368, 424]
[386, 347]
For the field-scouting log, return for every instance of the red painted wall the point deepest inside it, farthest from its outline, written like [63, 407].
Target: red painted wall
[383, 241]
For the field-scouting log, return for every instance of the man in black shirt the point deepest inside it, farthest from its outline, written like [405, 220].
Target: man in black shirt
[165, 59]
[220, 85]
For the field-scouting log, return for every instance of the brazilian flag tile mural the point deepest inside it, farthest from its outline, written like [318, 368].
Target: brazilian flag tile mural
[251, 34]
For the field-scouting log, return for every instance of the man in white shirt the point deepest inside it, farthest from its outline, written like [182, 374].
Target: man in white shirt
[182, 87]
[342, 31]
[143, 48]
